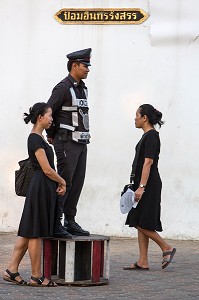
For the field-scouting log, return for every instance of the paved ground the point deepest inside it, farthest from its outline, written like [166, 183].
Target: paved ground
[179, 281]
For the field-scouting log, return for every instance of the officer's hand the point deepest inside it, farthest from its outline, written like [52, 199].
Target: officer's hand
[50, 140]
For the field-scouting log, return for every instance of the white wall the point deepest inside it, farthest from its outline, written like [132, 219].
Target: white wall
[155, 62]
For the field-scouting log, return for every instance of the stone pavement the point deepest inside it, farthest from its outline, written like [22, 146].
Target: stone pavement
[179, 281]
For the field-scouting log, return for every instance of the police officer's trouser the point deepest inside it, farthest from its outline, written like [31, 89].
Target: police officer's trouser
[71, 165]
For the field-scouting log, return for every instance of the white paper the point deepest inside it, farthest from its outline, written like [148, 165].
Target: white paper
[127, 201]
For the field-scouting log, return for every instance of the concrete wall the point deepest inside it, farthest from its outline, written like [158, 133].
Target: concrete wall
[155, 62]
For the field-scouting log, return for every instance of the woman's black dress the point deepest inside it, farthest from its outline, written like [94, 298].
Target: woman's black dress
[147, 213]
[38, 214]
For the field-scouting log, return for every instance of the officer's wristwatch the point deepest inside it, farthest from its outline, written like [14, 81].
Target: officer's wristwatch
[142, 186]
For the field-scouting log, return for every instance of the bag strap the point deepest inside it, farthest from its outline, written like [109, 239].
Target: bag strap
[135, 161]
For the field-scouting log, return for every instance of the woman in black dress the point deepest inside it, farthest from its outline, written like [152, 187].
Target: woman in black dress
[37, 219]
[147, 186]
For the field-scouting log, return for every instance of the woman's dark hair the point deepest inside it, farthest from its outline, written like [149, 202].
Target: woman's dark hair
[38, 109]
[154, 116]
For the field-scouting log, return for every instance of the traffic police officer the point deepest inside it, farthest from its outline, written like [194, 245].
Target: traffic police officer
[70, 136]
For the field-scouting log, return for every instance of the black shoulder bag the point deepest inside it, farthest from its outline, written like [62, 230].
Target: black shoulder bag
[134, 165]
[23, 177]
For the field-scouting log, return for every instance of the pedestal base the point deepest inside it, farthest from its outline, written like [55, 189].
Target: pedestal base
[81, 261]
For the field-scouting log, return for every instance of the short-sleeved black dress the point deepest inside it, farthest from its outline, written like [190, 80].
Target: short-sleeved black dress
[147, 213]
[38, 214]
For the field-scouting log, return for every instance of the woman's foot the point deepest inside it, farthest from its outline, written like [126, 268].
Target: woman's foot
[135, 266]
[167, 257]
[13, 277]
[41, 282]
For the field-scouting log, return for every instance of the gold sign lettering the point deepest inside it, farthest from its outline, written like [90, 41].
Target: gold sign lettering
[101, 16]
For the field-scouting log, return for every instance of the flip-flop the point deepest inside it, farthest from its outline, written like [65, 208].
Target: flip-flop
[12, 276]
[136, 268]
[167, 261]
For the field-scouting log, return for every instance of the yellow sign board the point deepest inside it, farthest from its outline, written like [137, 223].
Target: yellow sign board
[97, 16]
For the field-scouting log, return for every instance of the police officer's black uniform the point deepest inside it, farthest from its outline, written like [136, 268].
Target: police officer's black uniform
[70, 135]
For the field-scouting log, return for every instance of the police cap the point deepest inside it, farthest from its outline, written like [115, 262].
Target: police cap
[82, 56]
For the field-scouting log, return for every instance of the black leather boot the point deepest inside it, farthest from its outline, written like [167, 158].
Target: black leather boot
[61, 232]
[73, 228]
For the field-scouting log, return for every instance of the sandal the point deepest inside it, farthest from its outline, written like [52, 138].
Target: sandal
[12, 276]
[166, 261]
[39, 282]
[136, 268]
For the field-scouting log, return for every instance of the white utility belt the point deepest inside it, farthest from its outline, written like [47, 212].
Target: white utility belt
[76, 135]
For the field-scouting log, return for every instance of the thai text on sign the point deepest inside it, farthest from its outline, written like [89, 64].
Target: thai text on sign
[101, 16]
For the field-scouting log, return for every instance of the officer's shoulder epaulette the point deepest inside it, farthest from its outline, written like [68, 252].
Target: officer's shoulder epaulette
[65, 83]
